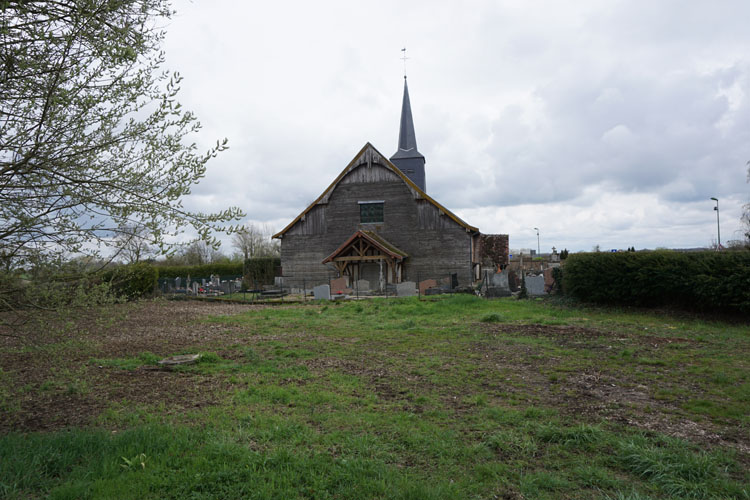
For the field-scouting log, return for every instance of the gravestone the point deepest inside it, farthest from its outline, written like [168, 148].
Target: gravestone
[535, 285]
[425, 285]
[406, 289]
[195, 288]
[177, 282]
[555, 257]
[362, 285]
[322, 292]
[497, 291]
[498, 285]
[338, 285]
[500, 280]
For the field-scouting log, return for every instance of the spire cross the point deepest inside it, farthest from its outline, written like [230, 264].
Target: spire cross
[404, 58]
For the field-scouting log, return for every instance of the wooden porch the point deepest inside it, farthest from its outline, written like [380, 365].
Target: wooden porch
[367, 247]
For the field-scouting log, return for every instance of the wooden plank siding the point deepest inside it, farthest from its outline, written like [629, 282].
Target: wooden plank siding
[313, 222]
[436, 244]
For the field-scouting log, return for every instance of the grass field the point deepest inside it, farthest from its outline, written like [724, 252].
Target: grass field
[451, 398]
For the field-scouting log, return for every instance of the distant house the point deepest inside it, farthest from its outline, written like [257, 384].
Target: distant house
[376, 222]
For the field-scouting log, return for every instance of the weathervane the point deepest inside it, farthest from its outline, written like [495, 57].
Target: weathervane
[404, 58]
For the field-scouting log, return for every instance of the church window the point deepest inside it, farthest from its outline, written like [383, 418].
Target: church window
[370, 212]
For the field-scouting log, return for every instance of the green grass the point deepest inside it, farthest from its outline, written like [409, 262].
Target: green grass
[132, 363]
[454, 397]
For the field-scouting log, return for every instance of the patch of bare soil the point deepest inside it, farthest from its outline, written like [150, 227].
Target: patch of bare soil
[578, 336]
[598, 392]
[48, 362]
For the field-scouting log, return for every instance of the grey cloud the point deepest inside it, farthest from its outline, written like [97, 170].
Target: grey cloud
[540, 105]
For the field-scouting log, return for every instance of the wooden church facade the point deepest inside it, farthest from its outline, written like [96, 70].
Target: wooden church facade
[376, 222]
[412, 238]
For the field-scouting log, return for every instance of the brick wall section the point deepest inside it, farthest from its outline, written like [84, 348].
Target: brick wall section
[494, 250]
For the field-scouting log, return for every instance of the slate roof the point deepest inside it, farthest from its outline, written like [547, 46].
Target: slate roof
[407, 139]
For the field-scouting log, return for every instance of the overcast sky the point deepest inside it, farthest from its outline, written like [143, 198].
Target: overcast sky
[599, 122]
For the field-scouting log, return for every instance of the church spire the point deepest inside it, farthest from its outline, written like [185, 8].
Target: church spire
[407, 158]
[407, 140]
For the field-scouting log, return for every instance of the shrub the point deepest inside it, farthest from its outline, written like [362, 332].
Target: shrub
[491, 318]
[52, 289]
[557, 276]
[523, 294]
[695, 281]
[133, 281]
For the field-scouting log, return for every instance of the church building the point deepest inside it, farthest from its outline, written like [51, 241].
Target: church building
[377, 222]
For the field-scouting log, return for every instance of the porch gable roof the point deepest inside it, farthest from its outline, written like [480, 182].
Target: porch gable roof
[375, 240]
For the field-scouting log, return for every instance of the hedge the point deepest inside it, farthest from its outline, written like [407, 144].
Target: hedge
[132, 281]
[704, 281]
[262, 270]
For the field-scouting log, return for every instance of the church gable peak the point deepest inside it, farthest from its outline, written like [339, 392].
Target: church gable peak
[368, 156]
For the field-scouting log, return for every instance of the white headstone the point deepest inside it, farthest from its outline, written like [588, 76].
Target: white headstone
[322, 292]
[500, 280]
[362, 285]
[535, 285]
[406, 289]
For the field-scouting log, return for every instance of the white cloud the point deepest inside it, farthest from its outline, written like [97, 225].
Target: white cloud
[601, 123]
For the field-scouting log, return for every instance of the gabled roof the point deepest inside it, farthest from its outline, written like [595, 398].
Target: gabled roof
[368, 155]
[375, 240]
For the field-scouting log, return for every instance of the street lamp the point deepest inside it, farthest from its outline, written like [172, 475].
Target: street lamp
[718, 228]
[538, 253]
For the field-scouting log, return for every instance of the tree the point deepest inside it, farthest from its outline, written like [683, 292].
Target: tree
[255, 241]
[92, 139]
[133, 243]
[200, 252]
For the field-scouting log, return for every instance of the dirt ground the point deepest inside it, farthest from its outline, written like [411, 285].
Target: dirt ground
[58, 352]
[600, 393]
[55, 384]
